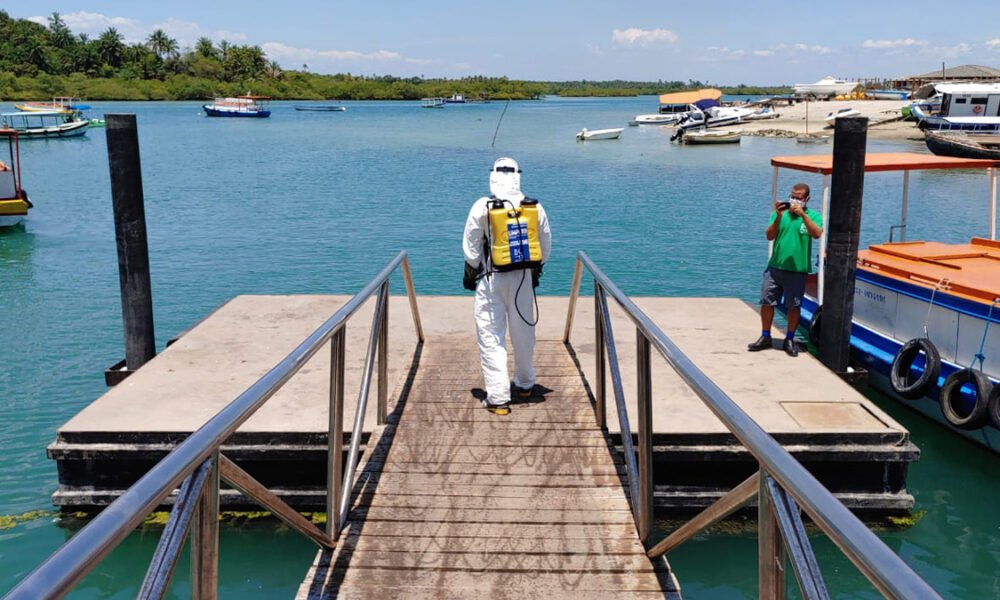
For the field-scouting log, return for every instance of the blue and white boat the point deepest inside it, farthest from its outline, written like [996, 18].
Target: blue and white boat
[963, 107]
[254, 107]
[926, 322]
[45, 125]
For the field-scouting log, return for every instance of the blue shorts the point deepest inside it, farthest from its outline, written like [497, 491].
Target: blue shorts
[778, 283]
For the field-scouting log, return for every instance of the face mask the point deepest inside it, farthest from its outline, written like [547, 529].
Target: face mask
[505, 180]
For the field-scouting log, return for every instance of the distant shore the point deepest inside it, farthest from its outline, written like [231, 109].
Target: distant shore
[884, 121]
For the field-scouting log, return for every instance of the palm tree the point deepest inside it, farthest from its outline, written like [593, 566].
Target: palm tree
[61, 36]
[273, 70]
[110, 47]
[162, 44]
[204, 47]
[224, 48]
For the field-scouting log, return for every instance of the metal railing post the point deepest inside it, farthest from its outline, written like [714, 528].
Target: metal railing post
[600, 389]
[205, 538]
[644, 433]
[770, 550]
[335, 442]
[383, 358]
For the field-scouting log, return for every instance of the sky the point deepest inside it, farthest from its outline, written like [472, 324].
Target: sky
[722, 42]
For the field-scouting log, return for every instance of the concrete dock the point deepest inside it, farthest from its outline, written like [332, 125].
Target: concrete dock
[853, 447]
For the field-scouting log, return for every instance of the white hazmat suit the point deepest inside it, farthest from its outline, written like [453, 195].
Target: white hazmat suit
[501, 296]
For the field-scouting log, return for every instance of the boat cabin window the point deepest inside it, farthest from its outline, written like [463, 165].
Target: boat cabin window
[7, 184]
[981, 100]
[960, 100]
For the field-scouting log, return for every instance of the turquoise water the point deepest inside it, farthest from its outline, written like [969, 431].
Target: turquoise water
[318, 202]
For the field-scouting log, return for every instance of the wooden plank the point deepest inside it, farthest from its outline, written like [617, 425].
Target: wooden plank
[526, 583]
[514, 438]
[498, 545]
[415, 593]
[482, 562]
[542, 494]
[607, 503]
[494, 455]
[472, 516]
[495, 479]
[569, 531]
[579, 470]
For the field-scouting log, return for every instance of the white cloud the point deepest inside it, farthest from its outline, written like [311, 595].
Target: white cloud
[763, 52]
[279, 51]
[644, 37]
[894, 44]
[948, 51]
[791, 50]
[993, 44]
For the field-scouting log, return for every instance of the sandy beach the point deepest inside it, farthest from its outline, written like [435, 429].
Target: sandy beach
[883, 120]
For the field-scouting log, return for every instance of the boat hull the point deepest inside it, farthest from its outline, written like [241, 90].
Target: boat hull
[925, 120]
[599, 134]
[320, 108]
[10, 220]
[889, 312]
[243, 114]
[946, 145]
[67, 130]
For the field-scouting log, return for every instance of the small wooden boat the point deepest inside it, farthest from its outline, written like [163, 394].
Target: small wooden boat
[586, 135]
[14, 203]
[718, 136]
[963, 145]
[254, 107]
[41, 125]
[319, 107]
[432, 103]
[812, 139]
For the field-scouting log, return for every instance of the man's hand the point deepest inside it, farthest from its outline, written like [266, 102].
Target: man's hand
[470, 277]
[797, 209]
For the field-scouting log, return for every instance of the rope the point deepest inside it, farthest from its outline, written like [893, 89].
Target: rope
[927, 318]
[979, 355]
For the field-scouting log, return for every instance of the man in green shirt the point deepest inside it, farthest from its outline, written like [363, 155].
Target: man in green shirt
[792, 228]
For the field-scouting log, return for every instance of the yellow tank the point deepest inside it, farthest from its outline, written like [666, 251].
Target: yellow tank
[514, 235]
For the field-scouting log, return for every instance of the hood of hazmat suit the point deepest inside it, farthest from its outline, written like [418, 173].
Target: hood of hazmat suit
[505, 180]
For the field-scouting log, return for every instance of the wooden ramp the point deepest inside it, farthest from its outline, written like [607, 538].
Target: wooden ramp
[454, 502]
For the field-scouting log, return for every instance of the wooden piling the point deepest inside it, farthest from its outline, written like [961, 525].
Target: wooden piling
[842, 233]
[130, 234]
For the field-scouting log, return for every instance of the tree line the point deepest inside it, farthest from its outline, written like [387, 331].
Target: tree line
[39, 62]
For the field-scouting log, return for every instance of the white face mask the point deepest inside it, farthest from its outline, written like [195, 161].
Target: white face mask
[505, 180]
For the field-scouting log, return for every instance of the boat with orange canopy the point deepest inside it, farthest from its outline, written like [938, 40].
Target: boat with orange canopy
[926, 319]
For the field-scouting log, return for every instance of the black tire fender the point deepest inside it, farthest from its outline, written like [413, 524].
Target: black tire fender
[951, 396]
[24, 196]
[899, 373]
[815, 325]
[993, 404]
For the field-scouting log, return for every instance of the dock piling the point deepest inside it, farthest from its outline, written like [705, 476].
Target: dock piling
[842, 232]
[130, 234]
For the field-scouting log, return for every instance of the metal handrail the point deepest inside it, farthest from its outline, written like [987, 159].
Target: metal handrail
[879, 564]
[62, 570]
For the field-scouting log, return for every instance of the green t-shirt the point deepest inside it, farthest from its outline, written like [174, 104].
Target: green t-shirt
[793, 244]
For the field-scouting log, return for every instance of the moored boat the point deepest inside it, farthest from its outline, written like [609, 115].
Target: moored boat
[718, 136]
[827, 87]
[319, 107]
[60, 104]
[45, 125]
[832, 117]
[254, 107]
[888, 94]
[432, 103]
[455, 99]
[926, 322]
[962, 107]
[962, 144]
[14, 203]
[599, 134]
[657, 119]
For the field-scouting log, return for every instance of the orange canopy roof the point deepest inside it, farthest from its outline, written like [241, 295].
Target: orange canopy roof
[690, 97]
[886, 161]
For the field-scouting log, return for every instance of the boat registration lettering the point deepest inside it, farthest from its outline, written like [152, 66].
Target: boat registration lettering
[870, 295]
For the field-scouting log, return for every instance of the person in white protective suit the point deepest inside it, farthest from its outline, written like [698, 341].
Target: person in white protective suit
[503, 297]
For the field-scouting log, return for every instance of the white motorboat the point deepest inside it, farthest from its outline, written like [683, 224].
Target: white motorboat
[762, 114]
[598, 134]
[832, 117]
[432, 103]
[718, 136]
[657, 119]
[827, 87]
